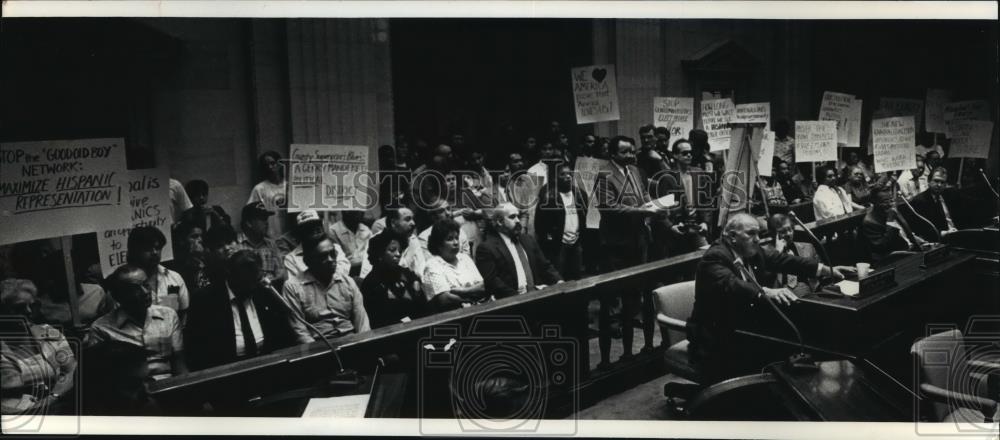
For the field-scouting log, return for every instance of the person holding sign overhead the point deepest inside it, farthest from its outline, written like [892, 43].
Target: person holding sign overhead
[168, 287]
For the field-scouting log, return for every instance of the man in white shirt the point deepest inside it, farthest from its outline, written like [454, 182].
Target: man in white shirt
[353, 236]
[309, 225]
[913, 182]
[559, 222]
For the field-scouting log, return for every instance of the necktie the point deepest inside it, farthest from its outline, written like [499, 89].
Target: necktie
[947, 214]
[249, 341]
[746, 272]
[529, 281]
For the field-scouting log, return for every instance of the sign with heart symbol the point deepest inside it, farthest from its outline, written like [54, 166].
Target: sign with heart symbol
[595, 93]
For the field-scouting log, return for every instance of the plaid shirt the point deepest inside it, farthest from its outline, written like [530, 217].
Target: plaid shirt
[335, 310]
[272, 259]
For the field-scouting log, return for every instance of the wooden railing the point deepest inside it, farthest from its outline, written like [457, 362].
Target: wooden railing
[564, 305]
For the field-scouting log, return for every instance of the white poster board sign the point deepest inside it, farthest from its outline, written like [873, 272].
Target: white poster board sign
[330, 177]
[59, 188]
[815, 141]
[975, 110]
[837, 107]
[755, 113]
[970, 138]
[677, 114]
[595, 93]
[894, 143]
[766, 158]
[149, 205]
[854, 124]
[715, 117]
[934, 109]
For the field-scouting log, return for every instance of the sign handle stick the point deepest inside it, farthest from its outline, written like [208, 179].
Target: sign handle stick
[74, 303]
[961, 165]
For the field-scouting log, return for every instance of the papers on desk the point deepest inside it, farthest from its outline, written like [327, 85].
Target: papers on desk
[340, 407]
[848, 287]
[664, 202]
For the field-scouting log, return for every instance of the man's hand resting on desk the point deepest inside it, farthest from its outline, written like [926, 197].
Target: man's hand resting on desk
[836, 272]
[783, 296]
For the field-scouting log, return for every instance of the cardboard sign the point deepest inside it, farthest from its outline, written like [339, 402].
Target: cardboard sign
[854, 124]
[815, 141]
[837, 107]
[595, 93]
[149, 205]
[903, 107]
[677, 114]
[756, 113]
[766, 159]
[586, 171]
[330, 177]
[977, 110]
[715, 117]
[934, 109]
[970, 138]
[894, 143]
[59, 188]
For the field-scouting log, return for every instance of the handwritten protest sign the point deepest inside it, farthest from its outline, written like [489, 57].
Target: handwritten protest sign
[894, 140]
[815, 141]
[149, 204]
[766, 158]
[595, 93]
[934, 109]
[755, 113]
[903, 107]
[677, 114]
[976, 110]
[330, 177]
[587, 169]
[970, 138]
[854, 124]
[837, 107]
[715, 117]
[58, 188]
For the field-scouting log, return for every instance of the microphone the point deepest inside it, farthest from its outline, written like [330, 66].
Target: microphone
[822, 250]
[907, 202]
[990, 185]
[343, 376]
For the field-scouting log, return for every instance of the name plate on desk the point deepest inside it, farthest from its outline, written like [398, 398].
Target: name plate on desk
[935, 256]
[877, 281]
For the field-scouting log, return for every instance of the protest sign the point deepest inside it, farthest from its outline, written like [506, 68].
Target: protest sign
[934, 109]
[854, 124]
[893, 140]
[758, 112]
[715, 117]
[815, 141]
[677, 114]
[587, 169]
[59, 188]
[595, 93]
[970, 138]
[976, 110]
[903, 107]
[837, 107]
[330, 177]
[766, 158]
[149, 205]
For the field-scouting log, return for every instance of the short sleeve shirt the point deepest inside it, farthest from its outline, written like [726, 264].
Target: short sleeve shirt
[160, 334]
[441, 276]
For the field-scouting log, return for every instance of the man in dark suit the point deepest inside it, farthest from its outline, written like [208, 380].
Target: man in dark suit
[884, 229]
[510, 262]
[692, 189]
[236, 318]
[726, 289]
[945, 207]
[560, 221]
[626, 213]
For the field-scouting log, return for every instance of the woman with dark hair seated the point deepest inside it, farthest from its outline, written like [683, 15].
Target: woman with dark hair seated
[392, 293]
[450, 277]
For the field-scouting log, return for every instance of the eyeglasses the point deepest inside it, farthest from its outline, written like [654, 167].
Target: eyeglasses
[684, 153]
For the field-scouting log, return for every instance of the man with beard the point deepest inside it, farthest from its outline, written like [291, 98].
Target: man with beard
[168, 288]
[783, 175]
[511, 262]
[726, 288]
[560, 221]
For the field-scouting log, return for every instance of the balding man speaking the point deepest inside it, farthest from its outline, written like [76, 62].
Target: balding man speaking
[726, 288]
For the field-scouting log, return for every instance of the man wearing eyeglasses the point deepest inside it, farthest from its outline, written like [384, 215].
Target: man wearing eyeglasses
[692, 187]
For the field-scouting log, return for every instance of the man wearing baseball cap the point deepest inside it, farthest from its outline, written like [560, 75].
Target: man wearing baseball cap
[254, 224]
[308, 225]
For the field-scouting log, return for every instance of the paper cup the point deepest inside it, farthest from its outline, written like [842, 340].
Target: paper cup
[863, 269]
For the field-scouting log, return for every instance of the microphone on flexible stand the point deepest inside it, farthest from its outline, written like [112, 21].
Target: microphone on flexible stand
[908, 205]
[800, 360]
[343, 377]
[990, 185]
[822, 249]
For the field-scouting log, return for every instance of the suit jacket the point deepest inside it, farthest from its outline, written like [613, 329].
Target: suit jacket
[723, 299]
[210, 335]
[621, 226]
[669, 182]
[959, 207]
[805, 285]
[881, 238]
[551, 217]
[496, 265]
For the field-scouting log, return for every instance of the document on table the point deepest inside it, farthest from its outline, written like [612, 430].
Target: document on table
[848, 287]
[666, 201]
[340, 407]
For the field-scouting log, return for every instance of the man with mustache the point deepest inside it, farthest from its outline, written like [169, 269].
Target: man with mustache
[511, 262]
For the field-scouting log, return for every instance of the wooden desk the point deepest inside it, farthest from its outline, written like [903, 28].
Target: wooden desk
[843, 391]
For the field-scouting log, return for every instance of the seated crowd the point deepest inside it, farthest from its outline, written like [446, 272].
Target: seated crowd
[283, 278]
